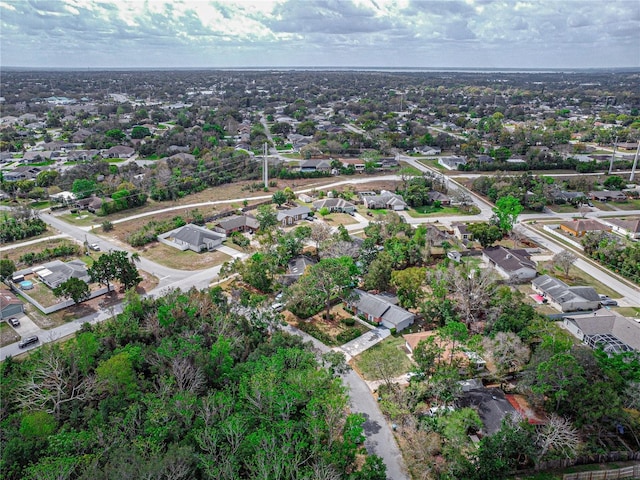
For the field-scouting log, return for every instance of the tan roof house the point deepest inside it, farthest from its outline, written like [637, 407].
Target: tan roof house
[578, 228]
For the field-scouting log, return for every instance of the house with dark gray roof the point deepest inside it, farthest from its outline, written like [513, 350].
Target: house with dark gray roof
[490, 403]
[296, 268]
[291, 216]
[119, 151]
[237, 223]
[514, 265]
[562, 196]
[605, 329]
[315, 166]
[439, 197]
[606, 195]
[192, 237]
[566, 298]
[24, 172]
[379, 309]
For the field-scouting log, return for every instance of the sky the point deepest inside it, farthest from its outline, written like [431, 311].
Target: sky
[494, 34]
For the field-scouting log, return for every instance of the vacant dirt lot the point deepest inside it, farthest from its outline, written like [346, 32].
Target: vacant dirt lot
[89, 307]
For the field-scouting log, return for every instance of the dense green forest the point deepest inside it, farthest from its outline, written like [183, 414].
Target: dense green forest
[179, 388]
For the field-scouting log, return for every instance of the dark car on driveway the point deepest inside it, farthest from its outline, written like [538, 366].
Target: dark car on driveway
[25, 342]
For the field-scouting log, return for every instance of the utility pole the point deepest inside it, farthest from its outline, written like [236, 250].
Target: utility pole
[266, 166]
[635, 163]
[615, 145]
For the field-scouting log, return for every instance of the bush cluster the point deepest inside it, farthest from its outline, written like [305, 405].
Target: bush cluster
[65, 250]
[149, 233]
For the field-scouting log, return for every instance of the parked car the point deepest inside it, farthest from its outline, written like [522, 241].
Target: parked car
[604, 297]
[95, 247]
[25, 342]
[14, 322]
[277, 307]
[608, 303]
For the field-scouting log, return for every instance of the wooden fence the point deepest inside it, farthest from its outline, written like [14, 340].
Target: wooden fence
[627, 472]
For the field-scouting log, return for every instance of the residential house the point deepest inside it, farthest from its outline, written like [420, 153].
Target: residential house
[82, 155]
[10, 305]
[562, 196]
[627, 228]
[183, 156]
[91, 203]
[192, 237]
[437, 236]
[334, 205]
[439, 197]
[37, 156]
[578, 228]
[426, 150]
[24, 172]
[63, 197]
[356, 163]
[605, 329]
[389, 163]
[386, 199]
[237, 223]
[379, 309]
[315, 166]
[514, 265]
[491, 404]
[6, 157]
[461, 232]
[303, 197]
[55, 273]
[452, 162]
[608, 195]
[484, 159]
[291, 216]
[296, 268]
[119, 151]
[566, 298]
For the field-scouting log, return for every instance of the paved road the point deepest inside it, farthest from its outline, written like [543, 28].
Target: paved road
[380, 440]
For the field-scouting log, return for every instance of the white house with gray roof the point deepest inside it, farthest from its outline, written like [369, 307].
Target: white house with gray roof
[564, 297]
[605, 329]
[291, 216]
[514, 265]
[192, 237]
[386, 199]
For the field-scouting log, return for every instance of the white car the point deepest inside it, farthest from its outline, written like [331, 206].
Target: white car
[95, 247]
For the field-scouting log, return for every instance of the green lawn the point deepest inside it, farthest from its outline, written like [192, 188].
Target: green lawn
[83, 219]
[565, 208]
[431, 210]
[433, 164]
[390, 351]
[409, 170]
[632, 204]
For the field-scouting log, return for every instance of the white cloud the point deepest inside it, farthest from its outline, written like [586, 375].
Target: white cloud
[218, 33]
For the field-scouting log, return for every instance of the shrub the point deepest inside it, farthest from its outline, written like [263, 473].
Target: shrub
[349, 321]
[107, 226]
[348, 335]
